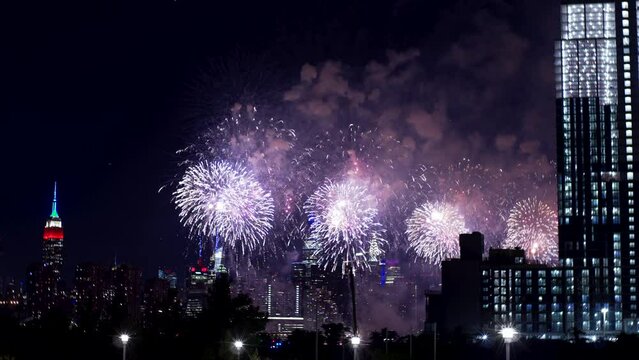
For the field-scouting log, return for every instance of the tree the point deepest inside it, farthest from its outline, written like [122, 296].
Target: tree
[225, 320]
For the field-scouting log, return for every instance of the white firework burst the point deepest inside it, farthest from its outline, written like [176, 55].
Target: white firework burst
[343, 224]
[532, 226]
[222, 199]
[433, 232]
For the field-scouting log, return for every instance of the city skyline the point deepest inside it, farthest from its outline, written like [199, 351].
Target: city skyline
[101, 164]
[387, 179]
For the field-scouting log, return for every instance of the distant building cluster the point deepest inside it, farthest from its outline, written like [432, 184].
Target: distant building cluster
[117, 295]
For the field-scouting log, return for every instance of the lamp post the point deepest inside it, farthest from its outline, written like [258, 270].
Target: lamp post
[125, 339]
[604, 312]
[238, 344]
[508, 333]
[355, 341]
[386, 340]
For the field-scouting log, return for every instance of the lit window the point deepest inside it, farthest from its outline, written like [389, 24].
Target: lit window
[626, 83]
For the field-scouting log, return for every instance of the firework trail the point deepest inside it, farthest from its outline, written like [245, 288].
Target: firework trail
[218, 198]
[532, 226]
[433, 232]
[343, 224]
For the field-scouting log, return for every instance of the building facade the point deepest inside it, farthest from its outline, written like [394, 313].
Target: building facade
[484, 294]
[596, 63]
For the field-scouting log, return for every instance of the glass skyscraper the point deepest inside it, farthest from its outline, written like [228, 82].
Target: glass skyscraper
[596, 63]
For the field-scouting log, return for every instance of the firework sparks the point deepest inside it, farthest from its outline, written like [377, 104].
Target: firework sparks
[218, 198]
[343, 224]
[433, 232]
[532, 226]
[264, 145]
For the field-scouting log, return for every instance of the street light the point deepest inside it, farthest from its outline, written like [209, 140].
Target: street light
[508, 333]
[125, 339]
[355, 341]
[604, 311]
[238, 344]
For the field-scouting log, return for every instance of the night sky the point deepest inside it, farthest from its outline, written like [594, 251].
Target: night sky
[99, 95]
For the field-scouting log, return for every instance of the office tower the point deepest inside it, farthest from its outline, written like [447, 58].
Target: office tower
[44, 280]
[124, 294]
[596, 90]
[35, 302]
[199, 281]
[53, 239]
[161, 308]
[89, 295]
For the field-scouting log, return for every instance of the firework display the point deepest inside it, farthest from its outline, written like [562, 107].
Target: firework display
[344, 223]
[220, 199]
[433, 232]
[384, 191]
[532, 226]
[264, 146]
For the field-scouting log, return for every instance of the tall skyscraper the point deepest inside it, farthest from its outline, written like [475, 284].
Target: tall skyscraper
[199, 281]
[53, 239]
[596, 62]
[44, 280]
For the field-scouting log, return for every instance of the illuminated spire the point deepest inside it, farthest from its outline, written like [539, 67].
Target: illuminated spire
[54, 207]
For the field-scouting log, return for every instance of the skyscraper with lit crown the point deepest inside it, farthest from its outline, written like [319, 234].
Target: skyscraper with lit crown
[53, 240]
[596, 61]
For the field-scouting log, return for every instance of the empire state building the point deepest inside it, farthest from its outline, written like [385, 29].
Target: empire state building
[53, 240]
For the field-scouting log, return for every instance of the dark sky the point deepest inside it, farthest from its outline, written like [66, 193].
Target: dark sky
[96, 95]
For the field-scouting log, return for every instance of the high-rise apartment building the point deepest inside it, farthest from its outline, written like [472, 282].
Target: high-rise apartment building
[596, 62]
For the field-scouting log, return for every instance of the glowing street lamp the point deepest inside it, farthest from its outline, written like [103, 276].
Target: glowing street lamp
[238, 344]
[604, 311]
[508, 333]
[125, 339]
[355, 341]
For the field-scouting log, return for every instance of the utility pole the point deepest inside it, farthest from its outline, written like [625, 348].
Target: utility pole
[316, 333]
[434, 341]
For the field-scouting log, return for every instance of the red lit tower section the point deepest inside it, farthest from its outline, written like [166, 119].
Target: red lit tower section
[53, 240]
